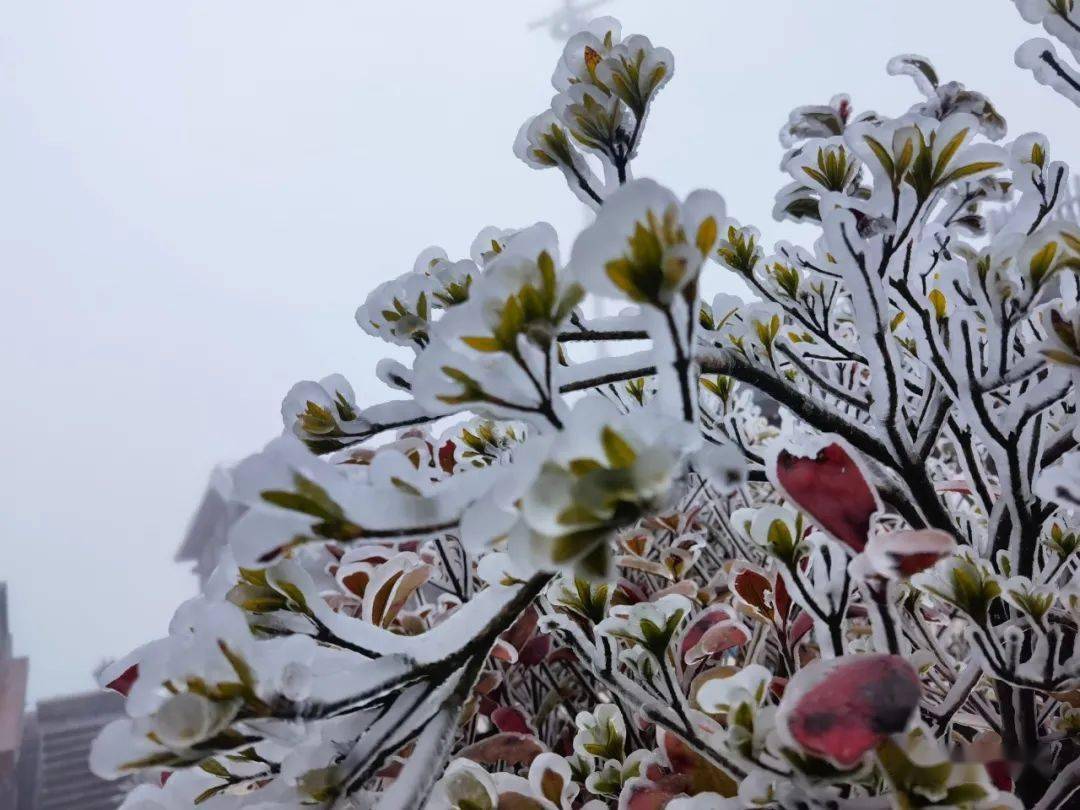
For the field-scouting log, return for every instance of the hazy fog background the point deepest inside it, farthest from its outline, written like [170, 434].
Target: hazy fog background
[196, 195]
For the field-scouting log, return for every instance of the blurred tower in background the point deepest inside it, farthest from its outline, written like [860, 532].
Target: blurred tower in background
[43, 754]
[54, 773]
[208, 532]
[13, 672]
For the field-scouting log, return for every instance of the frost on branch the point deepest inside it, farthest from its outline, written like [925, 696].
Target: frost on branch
[811, 549]
[1061, 20]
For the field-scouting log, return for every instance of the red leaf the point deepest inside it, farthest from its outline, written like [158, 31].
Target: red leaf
[1000, 773]
[522, 629]
[486, 705]
[509, 718]
[535, 651]
[830, 488]
[841, 708]
[907, 552]
[711, 631]
[753, 587]
[562, 654]
[509, 747]
[777, 686]
[645, 796]
[391, 770]
[700, 623]
[701, 775]
[446, 456]
[627, 593]
[721, 637]
[911, 564]
[488, 682]
[802, 625]
[125, 680]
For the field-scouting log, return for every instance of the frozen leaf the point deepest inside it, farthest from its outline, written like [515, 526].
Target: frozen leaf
[512, 747]
[699, 775]
[711, 632]
[902, 554]
[831, 488]
[839, 709]
[123, 682]
[511, 719]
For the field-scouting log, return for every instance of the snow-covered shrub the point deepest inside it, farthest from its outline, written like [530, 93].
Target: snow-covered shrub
[811, 549]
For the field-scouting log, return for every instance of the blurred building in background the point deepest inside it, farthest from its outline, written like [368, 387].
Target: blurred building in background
[13, 672]
[53, 773]
[208, 532]
[44, 752]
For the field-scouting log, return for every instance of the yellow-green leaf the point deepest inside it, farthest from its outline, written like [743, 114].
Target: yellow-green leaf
[940, 303]
[482, 343]
[706, 235]
[619, 454]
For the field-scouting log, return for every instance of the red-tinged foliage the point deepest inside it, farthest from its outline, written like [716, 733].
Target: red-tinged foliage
[906, 553]
[508, 747]
[698, 775]
[446, 456]
[645, 795]
[831, 489]
[535, 650]
[755, 589]
[511, 719]
[711, 633]
[561, 655]
[802, 625]
[1000, 773]
[522, 630]
[628, 593]
[852, 705]
[125, 680]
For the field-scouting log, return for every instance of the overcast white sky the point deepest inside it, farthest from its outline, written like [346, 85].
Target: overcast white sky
[195, 196]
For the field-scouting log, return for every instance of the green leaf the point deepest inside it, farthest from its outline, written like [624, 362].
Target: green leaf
[209, 793]
[291, 501]
[707, 232]
[1072, 241]
[968, 170]
[241, 668]
[294, 594]
[482, 343]
[1042, 262]
[215, 768]
[939, 302]
[405, 486]
[583, 466]
[1038, 155]
[906, 776]
[620, 455]
[882, 154]
[254, 576]
[948, 152]
[575, 515]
